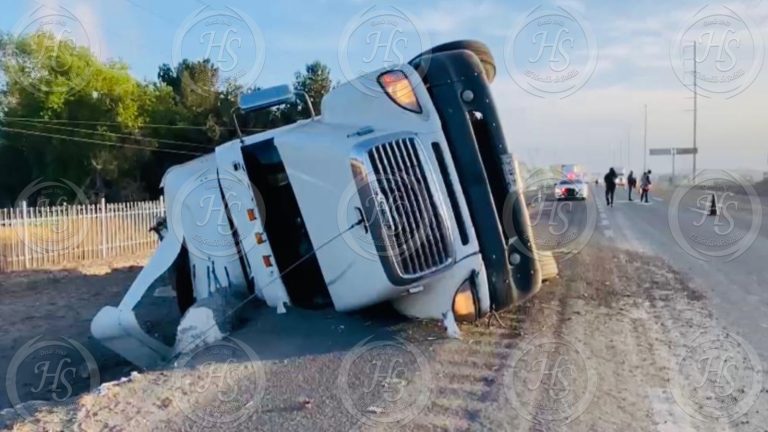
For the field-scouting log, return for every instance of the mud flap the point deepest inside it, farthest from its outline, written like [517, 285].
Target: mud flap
[117, 327]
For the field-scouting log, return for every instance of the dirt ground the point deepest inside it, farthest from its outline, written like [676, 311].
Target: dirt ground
[597, 350]
[56, 304]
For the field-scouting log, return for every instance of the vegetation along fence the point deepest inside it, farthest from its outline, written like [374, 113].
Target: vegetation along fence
[68, 235]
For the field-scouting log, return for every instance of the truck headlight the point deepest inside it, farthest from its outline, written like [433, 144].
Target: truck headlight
[397, 86]
[465, 307]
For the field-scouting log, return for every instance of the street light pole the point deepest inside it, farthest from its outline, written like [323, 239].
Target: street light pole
[629, 148]
[645, 139]
[695, 110]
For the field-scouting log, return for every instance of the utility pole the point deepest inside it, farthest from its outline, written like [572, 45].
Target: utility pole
[645, 139]
[629, 147]
[674, 153]
[695, 109]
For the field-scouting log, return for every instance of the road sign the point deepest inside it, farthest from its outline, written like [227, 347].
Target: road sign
[660, 152]
[674, 151]
[670, 151]
[686, 151]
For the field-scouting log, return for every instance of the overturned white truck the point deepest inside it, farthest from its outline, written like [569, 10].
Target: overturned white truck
[404, 190]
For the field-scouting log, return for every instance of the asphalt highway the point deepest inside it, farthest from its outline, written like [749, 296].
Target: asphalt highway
[725, 256]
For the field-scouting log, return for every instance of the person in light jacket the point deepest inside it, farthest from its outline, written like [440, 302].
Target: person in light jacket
[645, 186]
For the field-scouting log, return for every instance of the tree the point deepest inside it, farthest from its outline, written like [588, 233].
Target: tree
[68, 84]
[195, 83]
[315, 81]
[78, 96]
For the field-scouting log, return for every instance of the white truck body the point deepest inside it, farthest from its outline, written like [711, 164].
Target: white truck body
[376, 212]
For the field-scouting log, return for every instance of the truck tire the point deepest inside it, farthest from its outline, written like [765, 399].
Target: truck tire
[548, 264]
[477, 48]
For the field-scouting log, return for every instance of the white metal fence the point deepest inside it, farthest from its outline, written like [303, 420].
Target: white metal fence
[68, 235]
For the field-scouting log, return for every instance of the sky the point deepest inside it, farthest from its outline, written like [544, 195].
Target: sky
[573, 76]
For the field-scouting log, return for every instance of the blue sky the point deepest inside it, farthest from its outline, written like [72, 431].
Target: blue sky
[632, 65]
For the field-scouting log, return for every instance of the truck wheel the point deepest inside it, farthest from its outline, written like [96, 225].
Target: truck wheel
[181, 281]
[479, 49]
[548, 264]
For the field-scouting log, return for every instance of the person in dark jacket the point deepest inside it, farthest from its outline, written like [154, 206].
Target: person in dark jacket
[631, 183]
[610, 186]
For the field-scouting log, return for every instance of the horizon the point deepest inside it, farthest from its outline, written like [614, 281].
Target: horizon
[625, 60]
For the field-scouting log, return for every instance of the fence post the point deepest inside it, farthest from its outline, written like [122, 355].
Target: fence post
[26, 233]
[103, 211]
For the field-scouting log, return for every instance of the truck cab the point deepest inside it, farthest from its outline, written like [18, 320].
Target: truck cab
[407, 193]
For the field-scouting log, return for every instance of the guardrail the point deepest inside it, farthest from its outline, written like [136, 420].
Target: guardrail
[70, 235]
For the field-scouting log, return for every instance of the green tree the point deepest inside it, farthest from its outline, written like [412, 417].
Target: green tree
[186, 112]
[316, 82]
[68, 85]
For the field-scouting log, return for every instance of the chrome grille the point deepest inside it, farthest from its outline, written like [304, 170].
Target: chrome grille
[412, 220]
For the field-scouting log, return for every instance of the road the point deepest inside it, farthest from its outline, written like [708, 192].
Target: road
[736, 282]
[613, 344]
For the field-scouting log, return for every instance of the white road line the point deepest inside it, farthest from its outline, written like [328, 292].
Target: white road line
[608, 233]
[657, 199]
[698, 210]
[604, 222]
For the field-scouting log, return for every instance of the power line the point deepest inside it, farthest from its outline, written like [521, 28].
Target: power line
[149, 11]
[92, 141]
[143, 126]
[167, 141]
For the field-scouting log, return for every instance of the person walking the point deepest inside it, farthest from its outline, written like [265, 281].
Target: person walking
[645, 186]
[631, 183]
[610, 186]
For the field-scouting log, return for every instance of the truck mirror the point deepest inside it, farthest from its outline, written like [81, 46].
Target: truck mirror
[266, 98]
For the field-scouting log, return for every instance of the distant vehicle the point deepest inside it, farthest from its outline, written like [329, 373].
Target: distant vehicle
[571, 189]
[621, 179]
[573, 171]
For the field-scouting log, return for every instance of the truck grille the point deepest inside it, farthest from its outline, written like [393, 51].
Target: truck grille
[411, 218]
